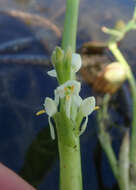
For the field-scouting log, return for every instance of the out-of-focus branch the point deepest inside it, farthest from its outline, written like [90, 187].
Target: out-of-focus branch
[24, 59]
[34, 19]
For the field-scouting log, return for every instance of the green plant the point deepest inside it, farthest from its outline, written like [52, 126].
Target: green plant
[67, 110]
[123, 169]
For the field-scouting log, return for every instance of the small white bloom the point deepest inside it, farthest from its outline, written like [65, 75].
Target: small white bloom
[51, 109]
[77, 100]
[75, 103]
[52, 73]
[76, 62]
[87, 106]
[71, 87]
[50, 106]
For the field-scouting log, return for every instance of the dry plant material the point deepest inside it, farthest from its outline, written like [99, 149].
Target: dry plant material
[25, 59]
[95, 66]
[34, 19]
[16, 45]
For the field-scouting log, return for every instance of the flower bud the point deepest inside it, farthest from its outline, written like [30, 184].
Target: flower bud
[57, 61]
[119, 25]
[115, 73]
[67, 64]
[76, 62]
[59, 54]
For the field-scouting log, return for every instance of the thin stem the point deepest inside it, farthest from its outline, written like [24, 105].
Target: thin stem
[70, 25]
[123, 165]
[104, 137]
[118, 55]
[105, 141]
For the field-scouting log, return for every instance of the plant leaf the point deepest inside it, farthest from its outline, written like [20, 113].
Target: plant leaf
[39, 158]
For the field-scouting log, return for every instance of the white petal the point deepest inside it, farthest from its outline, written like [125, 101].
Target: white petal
[83, 127]
[56, 97]
[50, 106]
[77, 100]
[60, 91]
[76, 62]
[68, 106]
[52, 132]
[76, 84]
[52, 73]
[87, 106]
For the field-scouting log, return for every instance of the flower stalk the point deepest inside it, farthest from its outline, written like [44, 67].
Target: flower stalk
[67, 110]
[69, 154]
[70, 25]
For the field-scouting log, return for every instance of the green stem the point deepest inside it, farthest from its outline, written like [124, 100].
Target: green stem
[123, 163]
[70, 167]
[69, 153]
[68, 141]
[70, 25]
[104, 137]
[120, 168]
[120, 58]
[105, 141]
[118, 55]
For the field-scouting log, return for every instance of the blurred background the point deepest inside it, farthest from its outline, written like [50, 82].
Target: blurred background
[29, 31]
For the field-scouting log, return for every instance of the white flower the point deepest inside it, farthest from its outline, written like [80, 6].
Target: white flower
[68, 90]
[50, 106]
[76, 62]
[87, 106]
[77, 100]
[51, 109]
[52, 73]
[75, 65]
[71, 87]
